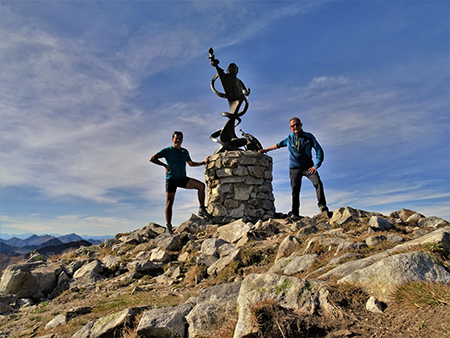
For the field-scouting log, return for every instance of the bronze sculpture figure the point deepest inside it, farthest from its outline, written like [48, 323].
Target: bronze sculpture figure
[236, 93]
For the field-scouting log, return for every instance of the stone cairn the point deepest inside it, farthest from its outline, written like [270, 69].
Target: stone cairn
[239, 185]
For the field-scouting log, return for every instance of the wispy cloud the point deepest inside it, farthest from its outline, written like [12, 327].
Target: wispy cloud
[90, 90]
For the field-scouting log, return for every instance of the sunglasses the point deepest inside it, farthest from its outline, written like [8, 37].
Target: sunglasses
[295, 125]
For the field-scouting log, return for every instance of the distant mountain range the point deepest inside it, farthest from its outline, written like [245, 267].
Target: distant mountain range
[44, 244]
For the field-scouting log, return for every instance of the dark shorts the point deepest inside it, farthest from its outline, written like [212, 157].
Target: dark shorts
[173, 183]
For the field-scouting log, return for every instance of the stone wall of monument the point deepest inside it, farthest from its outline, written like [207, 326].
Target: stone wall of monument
[239, 185]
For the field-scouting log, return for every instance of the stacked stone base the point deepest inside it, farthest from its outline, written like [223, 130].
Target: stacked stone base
[239, 185]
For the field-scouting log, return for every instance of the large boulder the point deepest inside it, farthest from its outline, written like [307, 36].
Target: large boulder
[346, 215]
[144, 266]
[30, 280]
[193, 225]
[223, 262]
[290, 292]
[293, 264]
[211, 246]
[383, 277]
[440, 236]
[379, 223]
[431, 222]
[108, 326]
[214, 306]
[133, 238]
[168, 242]
[166, 322]
[89, 273]
[287, 247]
[234, 231]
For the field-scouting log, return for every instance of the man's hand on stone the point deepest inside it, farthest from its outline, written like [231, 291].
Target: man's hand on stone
[312, 170]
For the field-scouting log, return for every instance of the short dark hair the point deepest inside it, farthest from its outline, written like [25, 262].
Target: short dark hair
[177, 133]
[295, 118]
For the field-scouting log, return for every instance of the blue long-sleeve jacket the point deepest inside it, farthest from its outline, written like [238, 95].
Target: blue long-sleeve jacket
[300, 147]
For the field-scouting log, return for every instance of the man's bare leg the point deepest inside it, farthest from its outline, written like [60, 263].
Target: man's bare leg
[170, 198]
[200, 186]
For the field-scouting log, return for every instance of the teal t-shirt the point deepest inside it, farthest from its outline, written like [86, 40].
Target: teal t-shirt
[176, 159]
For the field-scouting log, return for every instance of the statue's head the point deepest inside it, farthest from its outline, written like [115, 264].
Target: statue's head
[232, 69]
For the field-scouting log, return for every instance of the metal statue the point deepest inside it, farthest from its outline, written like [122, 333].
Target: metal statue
[236, 93]
[252, 141]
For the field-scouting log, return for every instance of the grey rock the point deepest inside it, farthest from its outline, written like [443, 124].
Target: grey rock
[159, 255]
[193, 225]
[373, 305]
[287, 247]
[431, 222]
[149, 232]
[109, 242]
[347, 214]
[75, 265]
[440, 236]
[415, 217]
[227, 249]
[89, 273]
[167, 322]
[374, 240]
[211, 246]
[133, 238]
[108, 326]
[157, 228]
[307, 230]
[144, 266]
[402, 214]
[168, 242]
[109, 261]
[5, 308]
[223, 262]
[78, 311]
[214, 306]
[347, 245]
[62, 278]
[143, 255]
[380, 223]
[206, 260]
[394, 238]
[234, 231]
[33, 280]
[293, 264]
[383, 277]
[299, 294]
[57, 321]
[345, 257]
[24, 302]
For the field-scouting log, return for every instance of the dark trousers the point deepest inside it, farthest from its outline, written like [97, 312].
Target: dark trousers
[296, 176]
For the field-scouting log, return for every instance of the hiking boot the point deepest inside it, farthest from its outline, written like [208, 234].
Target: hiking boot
[203, 213]
[293, 216]
[327, 211]
[169, 229]
[323, 208]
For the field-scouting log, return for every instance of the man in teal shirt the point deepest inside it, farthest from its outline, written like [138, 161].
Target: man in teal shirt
[176, 159]
[300, 144]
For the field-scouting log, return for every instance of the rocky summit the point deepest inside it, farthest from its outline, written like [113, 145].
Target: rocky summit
[354, 273]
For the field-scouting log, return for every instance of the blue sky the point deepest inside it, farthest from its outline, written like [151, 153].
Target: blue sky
[91, 89]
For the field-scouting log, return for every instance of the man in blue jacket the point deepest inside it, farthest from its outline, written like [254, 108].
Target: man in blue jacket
[176, 159]
[300, 144]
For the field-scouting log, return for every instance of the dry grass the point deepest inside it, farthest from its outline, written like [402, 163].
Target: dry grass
[195, 275]
[422, 294]
[227, 329]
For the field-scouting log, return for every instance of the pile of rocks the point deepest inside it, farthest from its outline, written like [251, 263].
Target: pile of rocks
[239, 186]
[293, 278]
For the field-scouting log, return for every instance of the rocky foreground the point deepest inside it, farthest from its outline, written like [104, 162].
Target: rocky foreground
[304, 277]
